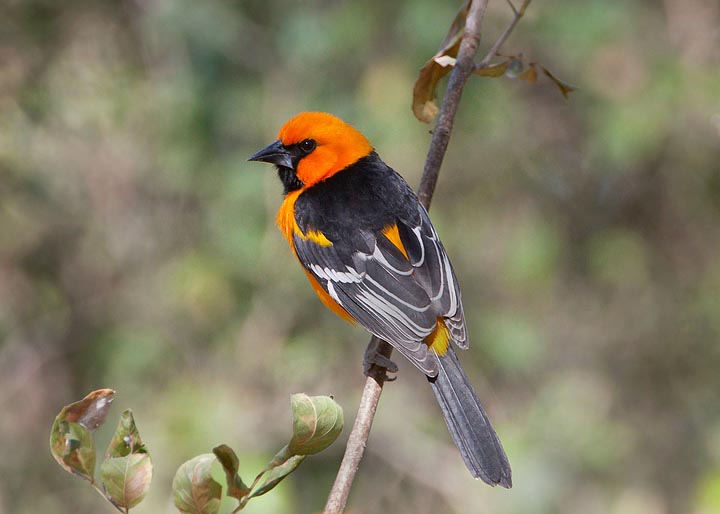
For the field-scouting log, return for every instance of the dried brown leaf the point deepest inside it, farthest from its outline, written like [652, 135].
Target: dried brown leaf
[425, 90]
[91, 411]
[445, 60]
[530, 74]
[563, 86]
[456, 30]
[519, 67]
[493, 70]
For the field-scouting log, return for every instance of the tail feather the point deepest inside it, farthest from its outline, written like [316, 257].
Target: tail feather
[469, 424]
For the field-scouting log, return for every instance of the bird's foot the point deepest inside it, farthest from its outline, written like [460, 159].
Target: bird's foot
[375, 361]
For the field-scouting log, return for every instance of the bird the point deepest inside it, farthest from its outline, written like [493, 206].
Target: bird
[372, 255]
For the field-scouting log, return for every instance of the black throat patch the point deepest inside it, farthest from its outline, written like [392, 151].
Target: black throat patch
[289, 179]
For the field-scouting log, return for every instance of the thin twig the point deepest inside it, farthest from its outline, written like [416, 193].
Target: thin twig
[357, 441]
[107, 498]
[506, 33]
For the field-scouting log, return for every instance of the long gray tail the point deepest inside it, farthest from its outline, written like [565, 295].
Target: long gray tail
[469, 424]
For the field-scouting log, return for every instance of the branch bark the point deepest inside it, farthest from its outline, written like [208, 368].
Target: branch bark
[462, 70]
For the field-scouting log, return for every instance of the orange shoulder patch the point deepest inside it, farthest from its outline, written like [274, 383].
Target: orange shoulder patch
[315, 236]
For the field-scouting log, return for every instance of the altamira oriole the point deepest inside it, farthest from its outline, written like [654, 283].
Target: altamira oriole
[373, 257]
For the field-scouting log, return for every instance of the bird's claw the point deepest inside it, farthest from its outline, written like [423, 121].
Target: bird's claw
[373, 359]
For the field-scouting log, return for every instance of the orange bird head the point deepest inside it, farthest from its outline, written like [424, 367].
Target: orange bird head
[311, 147]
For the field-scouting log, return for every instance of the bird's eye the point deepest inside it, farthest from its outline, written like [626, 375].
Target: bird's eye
[307, 145]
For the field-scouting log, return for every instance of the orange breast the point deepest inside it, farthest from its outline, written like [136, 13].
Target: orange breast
[285, 219]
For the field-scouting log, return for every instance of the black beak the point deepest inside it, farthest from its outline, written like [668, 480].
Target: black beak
[274, 153]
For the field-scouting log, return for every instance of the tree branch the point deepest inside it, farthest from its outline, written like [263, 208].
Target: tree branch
[506, 33]
[464, 67]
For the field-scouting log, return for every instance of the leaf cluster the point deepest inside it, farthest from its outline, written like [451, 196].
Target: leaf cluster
[126, 470]
[517, 66]
[317, 422]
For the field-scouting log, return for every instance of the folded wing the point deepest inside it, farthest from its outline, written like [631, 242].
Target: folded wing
[397, 293]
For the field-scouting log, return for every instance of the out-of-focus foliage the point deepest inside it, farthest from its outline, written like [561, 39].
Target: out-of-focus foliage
[137, 247]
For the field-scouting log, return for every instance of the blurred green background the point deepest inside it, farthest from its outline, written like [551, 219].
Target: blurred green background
[138, 252]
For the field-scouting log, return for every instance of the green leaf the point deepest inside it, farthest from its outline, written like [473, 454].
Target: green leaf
[230, 463]
[194, 489]
[127, 470]
[317, 422]
[284, 463]
[126, 480]
[72, 446]
[126, 439]
[71, 440]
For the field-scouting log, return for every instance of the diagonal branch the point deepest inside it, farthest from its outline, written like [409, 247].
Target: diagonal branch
[464, 67]
[461, 72]
[518, 13]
